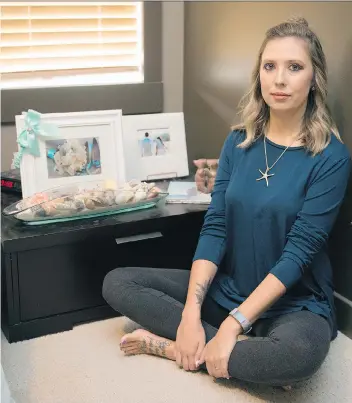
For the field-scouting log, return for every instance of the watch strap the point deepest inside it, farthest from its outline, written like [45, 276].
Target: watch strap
[242, 320]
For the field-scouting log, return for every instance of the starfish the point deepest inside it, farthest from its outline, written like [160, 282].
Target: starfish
[265, 176]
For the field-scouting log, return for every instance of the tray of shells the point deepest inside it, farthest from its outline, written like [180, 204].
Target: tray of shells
[91, 199]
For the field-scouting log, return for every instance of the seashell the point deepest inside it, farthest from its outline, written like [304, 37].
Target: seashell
[38, 198]
[210, 184]
[138, 188]
[98, 200]
[80, 198]
[96, 195]
[67, 206]
[69, 199]
[151, 195]
[60, 200]
[120, 198]
[140, 195]
[213, 164]
[155, 189]
[49, 208]
[79, 205]
[109, 197]
[127, 187]
[200, 163]
[212, 172]
[142, 185]
[133, 183]
[128, 196]
[89, 204]
[124, 197]
[38, 211]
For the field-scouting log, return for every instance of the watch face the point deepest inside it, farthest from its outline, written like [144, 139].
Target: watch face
[241, 320]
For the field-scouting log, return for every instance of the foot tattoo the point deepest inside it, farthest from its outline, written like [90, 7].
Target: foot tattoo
[143, 342]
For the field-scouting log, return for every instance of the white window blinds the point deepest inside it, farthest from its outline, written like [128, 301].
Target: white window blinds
[58, 44]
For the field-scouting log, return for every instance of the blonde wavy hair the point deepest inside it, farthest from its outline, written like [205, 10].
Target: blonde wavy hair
[317, 124]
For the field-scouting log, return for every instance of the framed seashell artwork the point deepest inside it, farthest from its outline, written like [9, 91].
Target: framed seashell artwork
[69, 147]
[155, 146]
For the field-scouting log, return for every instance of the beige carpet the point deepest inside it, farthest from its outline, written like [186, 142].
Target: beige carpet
[85, 365]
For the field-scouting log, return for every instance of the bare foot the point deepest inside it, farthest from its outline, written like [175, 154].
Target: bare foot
[143, 342]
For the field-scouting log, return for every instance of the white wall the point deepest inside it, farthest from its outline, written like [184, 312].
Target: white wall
[172, 71]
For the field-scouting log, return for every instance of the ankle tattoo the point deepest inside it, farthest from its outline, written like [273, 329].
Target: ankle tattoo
[155, 347]
[143, 347]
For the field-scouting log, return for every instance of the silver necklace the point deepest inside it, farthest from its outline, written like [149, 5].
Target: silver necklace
[266, 175]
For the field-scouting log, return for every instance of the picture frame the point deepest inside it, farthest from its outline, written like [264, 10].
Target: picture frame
[155, 146]
[88, 147]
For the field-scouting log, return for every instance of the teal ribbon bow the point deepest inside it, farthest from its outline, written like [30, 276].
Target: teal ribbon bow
[28, 138]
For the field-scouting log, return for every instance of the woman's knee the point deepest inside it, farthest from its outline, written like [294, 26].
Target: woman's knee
[116, 282]
[308, 357]
[292, 351]
[304, 350]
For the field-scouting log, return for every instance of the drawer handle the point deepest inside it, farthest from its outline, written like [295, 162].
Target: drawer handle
[141, 237]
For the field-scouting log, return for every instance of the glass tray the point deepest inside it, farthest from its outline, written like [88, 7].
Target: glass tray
[74, 202]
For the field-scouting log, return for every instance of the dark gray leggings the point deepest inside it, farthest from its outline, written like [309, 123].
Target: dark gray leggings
[285, 349]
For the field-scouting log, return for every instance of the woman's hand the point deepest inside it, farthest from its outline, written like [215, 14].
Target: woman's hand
[217, 352]
[190, 342]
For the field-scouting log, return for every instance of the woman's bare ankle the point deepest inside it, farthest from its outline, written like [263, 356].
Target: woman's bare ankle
[144, 342]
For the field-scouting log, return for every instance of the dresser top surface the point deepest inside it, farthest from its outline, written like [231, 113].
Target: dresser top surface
[18, 236]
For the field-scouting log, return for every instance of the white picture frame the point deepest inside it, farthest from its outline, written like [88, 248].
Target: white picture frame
[164, 156]
[99, 131]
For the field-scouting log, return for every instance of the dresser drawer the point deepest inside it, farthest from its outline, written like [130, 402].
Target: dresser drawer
[67, 278]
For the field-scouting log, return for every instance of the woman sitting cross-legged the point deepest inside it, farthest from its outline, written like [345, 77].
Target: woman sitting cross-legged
[261, 265]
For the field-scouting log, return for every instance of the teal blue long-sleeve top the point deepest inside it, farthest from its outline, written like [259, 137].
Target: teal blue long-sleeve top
[251, 229]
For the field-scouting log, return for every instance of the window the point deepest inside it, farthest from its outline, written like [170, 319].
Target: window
[53, 44]
[121, 92]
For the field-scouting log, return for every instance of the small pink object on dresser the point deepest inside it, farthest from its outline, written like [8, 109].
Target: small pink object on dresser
[205, 174]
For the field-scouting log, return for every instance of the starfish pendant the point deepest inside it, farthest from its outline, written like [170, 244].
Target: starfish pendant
[265, 176]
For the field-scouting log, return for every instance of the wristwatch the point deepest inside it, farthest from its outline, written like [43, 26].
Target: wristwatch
[242, 320]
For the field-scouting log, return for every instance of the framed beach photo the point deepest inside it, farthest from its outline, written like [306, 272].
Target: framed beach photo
[87, 147]
[155, 146]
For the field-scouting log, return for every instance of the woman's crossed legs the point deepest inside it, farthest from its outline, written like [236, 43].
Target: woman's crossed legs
[285, 349]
